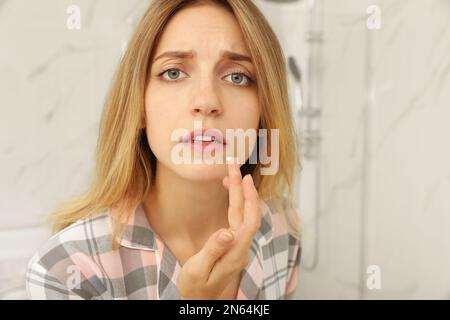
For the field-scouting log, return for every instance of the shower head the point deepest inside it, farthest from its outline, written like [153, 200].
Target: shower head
[295, 70]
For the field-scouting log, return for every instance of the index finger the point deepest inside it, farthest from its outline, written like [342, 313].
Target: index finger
[252, 208]
[236, 194]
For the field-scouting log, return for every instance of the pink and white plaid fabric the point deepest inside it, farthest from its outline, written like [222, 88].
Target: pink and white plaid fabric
[79, 262]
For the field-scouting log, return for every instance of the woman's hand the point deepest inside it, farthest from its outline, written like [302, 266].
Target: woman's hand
[206, 274]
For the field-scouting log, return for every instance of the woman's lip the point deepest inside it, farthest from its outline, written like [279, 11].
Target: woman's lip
[205, 131]
[206, 146]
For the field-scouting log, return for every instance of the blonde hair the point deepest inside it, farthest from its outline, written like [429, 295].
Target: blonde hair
[125, 165]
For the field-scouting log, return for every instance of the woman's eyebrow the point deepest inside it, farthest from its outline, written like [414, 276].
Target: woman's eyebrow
[226, 55]
[234, 56]
[176, 54]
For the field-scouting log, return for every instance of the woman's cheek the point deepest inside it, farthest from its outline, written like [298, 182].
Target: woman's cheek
[158, 106]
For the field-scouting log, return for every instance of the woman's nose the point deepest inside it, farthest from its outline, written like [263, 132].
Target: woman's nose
[206, 110]
[206, 101]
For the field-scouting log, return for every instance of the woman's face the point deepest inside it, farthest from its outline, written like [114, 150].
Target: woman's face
[203, 82]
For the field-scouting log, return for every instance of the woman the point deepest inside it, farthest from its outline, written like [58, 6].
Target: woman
[153, 228]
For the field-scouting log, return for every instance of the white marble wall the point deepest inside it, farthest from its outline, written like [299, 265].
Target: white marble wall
[384, 174]
[52, 86]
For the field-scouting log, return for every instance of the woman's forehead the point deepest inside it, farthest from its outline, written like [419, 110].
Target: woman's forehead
[204, 29]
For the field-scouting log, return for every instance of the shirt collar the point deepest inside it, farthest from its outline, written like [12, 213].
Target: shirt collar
[138, 233]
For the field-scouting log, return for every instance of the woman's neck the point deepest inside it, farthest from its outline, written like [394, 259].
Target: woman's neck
[185, 209]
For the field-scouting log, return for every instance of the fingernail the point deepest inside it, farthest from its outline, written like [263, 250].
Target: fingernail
[229, 159]
[225, 236]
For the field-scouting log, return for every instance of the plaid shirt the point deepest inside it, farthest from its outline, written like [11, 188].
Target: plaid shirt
[79, 262]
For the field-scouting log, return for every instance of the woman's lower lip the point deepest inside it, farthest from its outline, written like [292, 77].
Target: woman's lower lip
[205, 146]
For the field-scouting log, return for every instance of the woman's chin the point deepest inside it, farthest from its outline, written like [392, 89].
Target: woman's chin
[202, 172]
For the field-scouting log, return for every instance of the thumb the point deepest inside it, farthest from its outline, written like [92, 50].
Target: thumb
[216, 246]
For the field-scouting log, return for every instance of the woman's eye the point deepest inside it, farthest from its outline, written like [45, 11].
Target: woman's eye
[173, 74]
[240, 78]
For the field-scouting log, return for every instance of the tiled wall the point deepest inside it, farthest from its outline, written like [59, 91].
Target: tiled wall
[384, 177]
